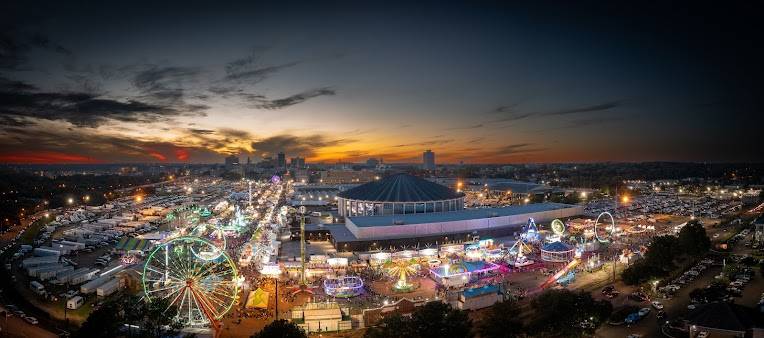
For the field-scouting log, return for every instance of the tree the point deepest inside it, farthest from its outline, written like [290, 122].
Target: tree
[394, 326]
[563, 313]
[662, 251]
[502, 321]
[103, 322]
[693, 239]
[640, 272]
[153, 319]
[435, 319]
[280, 329]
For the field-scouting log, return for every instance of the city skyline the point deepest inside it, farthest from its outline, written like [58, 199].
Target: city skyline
[488, 83]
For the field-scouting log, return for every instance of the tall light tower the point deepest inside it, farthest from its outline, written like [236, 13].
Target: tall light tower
[250, 193]
[302, 244]
[303, 285]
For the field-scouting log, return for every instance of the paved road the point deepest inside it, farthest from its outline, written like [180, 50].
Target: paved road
[17, 327]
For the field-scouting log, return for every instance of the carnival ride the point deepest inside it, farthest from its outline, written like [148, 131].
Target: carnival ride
[558, 227]
[530, 232]
[560, 274]
[214, 234]
[343, 287]
[201, 290]
[609, 231]
[517, 255]
[402, 268]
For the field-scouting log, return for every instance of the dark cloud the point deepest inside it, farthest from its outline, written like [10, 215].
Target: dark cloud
[510, 114]
[39, 40]
[201, 131]
[85, 83]
[258, 74]
[86, 144]
[249, 69]
[295, 145]
[294, 99]
[165, 84]
[594, 121]
[586, 109]
[517, 148]
[234, 133]
[15, 46]
[12, 51]
[425, 143]
[474, 126]
[19, 100]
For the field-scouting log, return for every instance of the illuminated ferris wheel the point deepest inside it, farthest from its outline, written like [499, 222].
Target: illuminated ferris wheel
[201, 290]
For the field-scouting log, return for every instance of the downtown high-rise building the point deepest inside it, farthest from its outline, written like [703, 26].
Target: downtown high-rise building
[297, 162]
[281, 160]
[428, 159]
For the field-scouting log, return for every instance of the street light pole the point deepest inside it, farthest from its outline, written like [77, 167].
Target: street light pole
[276, 281]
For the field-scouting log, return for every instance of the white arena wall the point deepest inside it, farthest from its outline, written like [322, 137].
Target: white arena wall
[459, 226]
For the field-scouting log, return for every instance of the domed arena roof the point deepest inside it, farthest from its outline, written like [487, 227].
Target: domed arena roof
[400, 188]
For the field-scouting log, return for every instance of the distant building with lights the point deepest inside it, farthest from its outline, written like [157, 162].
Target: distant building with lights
[428, 160]
[346, 176]
[281, 160]
[297, 162]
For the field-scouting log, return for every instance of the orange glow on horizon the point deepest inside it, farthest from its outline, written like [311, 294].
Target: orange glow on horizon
[45, 157]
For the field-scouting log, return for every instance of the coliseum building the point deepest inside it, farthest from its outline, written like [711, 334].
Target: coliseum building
[404, 210]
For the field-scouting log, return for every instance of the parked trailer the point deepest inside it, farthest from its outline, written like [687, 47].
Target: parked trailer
[92, 285]
[67, 276]
[37, 287]
[39, 252]
[84, 276]
[109, 287]
[75, 302]
[76, 245]
[35, 261]
[53, 272]
[34, 271]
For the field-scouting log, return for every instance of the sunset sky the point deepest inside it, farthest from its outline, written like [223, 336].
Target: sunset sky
[479, 82]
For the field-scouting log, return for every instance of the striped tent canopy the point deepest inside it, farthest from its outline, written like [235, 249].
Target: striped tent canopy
[132, 243]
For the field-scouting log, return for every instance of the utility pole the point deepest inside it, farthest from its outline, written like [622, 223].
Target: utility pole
[302, 244]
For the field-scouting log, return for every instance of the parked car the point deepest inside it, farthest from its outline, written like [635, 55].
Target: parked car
[31, 320]
[644, 311]
[657, 305]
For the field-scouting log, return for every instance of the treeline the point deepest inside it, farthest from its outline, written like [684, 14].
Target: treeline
[555, 313]
[664, 252]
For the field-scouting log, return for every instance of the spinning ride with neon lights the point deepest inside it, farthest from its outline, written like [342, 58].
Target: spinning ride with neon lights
[609, 231]
[343, 287]
[531, 232]
[557, 252]
[201, 290]
[558, 227]
[215, 235]
[185, 216]
[402, 268]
